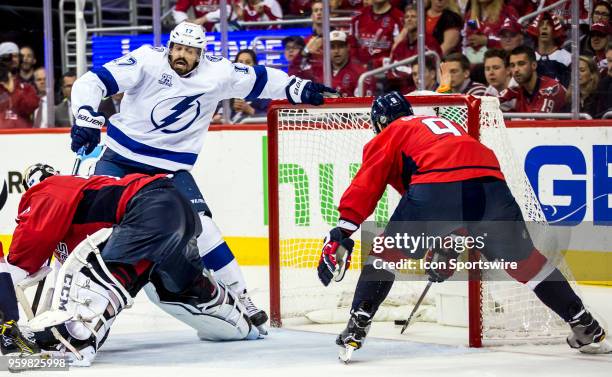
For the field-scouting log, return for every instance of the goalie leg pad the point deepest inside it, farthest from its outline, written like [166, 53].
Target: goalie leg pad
[87, 297]
[208, 306]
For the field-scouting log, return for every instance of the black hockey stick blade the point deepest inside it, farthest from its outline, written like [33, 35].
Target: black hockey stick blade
[416, 306]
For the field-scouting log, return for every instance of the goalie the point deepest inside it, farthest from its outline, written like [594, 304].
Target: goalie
[444, 176]
[112, 236]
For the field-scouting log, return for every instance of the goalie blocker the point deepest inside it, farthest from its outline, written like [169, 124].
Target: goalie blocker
[446, 176]
[145, 245]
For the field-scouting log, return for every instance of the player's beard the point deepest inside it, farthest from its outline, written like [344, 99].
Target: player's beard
[181, 69]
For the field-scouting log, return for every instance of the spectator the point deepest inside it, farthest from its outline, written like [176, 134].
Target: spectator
[549, 35]
[40, 83]
[483, 24]
[406, 47]
[297, 8]
[200, 8]
[595, 44]
[18, 100]
[301, 63]
[444, 23]
[535, 94]
[63, 114]
[110, 106]
[314, 42]
[455, 77]
[26, 68]
[345, 72]
[604, 99]
[588, 77]
[10, 48]
[292, 47]
[497, 72]
[601, 13]
[431, 73]
[373, 32]
[510, 35]
[406, 42]
[260, 10]
[241, 108]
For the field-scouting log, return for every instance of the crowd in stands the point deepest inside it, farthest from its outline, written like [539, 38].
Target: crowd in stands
[473, 47]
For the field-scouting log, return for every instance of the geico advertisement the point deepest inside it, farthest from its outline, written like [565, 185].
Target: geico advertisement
[569, 168]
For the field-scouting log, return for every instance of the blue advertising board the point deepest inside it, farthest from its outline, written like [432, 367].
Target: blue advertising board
[109, 47]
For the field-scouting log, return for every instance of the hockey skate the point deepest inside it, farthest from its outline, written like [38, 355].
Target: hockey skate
[258, 317]
[587, 335]
[353, 336]
[14, 341]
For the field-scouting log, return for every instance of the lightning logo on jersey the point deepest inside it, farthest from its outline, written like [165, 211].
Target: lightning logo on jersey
[178, 111]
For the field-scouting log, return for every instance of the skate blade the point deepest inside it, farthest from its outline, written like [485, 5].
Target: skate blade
[603, 347]
[346, 353]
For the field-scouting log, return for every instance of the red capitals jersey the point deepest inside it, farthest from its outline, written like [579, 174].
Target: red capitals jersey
[373, 34]
[345, 79]
[415, 150]
[58, 213]
[251, 13]
[547, 97]
[200, 8]
[491, 28]
[358, 4]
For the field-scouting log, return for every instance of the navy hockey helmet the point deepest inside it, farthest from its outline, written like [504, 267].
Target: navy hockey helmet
[37, 173]
[387, 108]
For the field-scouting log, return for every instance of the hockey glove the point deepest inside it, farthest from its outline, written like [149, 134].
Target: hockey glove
[336, 255]
[306, 91]
[439, 262]
[86, 130]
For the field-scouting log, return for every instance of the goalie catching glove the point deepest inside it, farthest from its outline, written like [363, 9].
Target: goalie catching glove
[336, 255]
[306, 91]
[86, 130]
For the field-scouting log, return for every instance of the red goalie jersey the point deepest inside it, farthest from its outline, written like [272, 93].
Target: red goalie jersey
[58, 213]
[414, 150]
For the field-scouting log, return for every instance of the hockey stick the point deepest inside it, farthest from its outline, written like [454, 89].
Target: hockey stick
[416, 306]
[41, 284]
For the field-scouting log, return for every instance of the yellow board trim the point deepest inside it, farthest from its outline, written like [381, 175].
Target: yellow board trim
[253, 251]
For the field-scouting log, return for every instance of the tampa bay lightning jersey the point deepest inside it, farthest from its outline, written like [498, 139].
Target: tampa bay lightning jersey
[164, 117]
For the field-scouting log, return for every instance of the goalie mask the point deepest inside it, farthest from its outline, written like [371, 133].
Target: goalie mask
[387, 108]
[35, 174]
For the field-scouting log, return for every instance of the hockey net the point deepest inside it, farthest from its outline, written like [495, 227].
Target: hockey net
[313, 154]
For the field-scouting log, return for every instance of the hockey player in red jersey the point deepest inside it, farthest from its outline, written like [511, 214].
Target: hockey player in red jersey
[122, 227]
[446, 178]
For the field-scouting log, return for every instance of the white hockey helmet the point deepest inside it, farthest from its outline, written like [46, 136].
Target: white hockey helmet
[189, 34]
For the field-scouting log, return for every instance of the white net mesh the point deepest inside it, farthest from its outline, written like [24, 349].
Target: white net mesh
[319, 152]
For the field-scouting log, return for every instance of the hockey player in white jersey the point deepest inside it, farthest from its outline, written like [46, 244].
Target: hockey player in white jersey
[170, 95]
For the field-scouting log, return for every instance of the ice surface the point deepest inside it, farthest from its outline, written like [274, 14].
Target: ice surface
[147, 342]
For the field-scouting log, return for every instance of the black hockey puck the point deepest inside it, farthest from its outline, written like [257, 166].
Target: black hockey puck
[399, 322]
